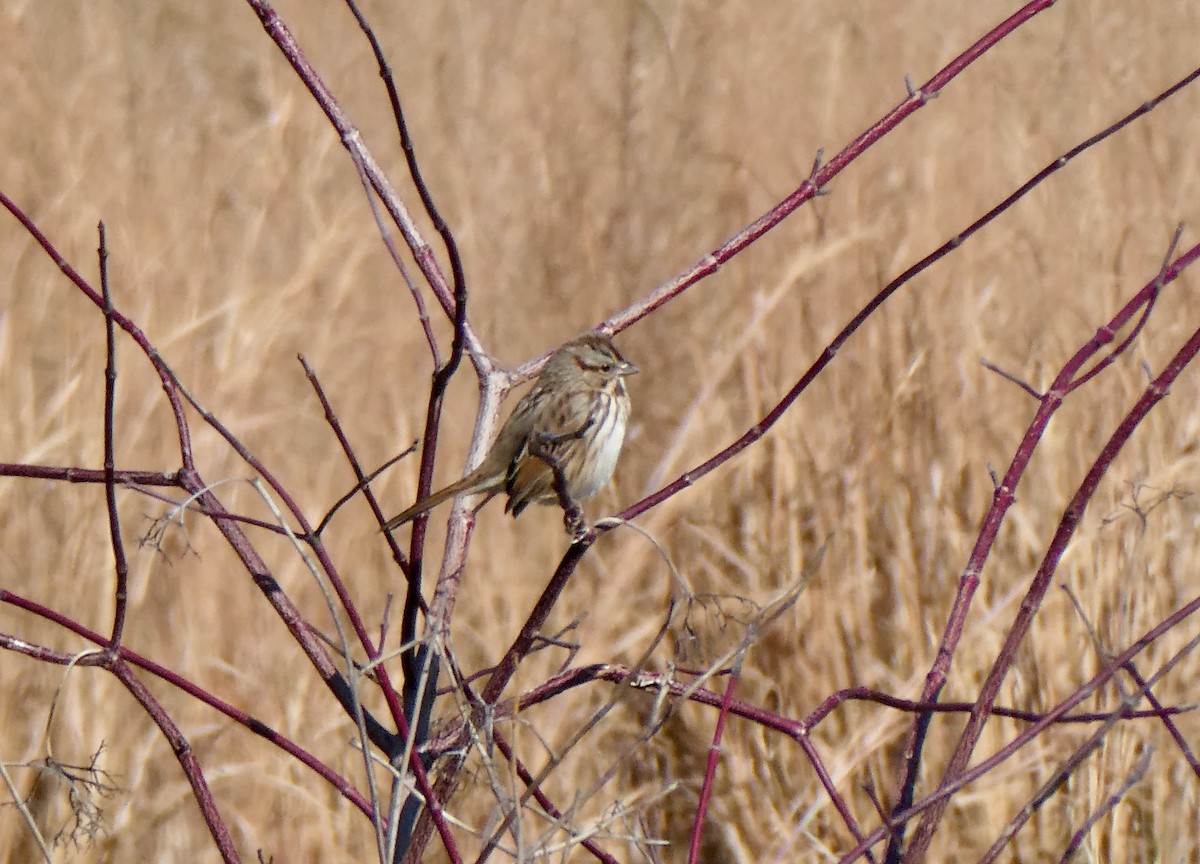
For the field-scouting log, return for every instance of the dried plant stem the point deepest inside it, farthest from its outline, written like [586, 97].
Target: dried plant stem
[1135, 776]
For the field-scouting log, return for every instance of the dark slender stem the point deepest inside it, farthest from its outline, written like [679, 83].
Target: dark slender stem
[797, 729]
[134, 480]
[1155, 289]
[522, 645]
[120, 564]
[1012, 379]
[364, 480]
[809, 748]
[1165, 716]
[414, 171]
[362, 484]
[74, 474]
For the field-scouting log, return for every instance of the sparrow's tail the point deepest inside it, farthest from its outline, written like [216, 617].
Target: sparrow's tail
[468, 485]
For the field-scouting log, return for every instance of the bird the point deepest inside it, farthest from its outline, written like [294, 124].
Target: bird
[575, 416]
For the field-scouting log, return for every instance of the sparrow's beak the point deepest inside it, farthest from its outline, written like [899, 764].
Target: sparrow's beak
[627, 368]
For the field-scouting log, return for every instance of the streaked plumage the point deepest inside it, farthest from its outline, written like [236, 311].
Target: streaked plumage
[580, 407]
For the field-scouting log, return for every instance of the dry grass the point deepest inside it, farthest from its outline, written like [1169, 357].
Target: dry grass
[583, 154]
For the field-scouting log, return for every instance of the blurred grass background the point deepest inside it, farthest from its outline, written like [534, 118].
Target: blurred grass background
[583, 154]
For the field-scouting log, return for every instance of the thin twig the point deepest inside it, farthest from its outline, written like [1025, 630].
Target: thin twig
[968, 738]
[1012, 379]
[1155, 290]
[75, 474]
[1133, 672]
[120, 564]
[1005, 489]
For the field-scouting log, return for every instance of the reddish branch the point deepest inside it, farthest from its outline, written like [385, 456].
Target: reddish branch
[189, 479]
[253, 724]
[1063, 773]
[1070, 378]
[652, 682]
[948, 788]
[1064, 383]
[453, 301]
[710, 770]
[184, 754]
[72, 474]
[821, 174]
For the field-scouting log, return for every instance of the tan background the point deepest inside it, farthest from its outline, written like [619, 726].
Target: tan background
[584, 153]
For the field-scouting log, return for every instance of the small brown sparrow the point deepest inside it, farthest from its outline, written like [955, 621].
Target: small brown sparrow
[576, 415]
